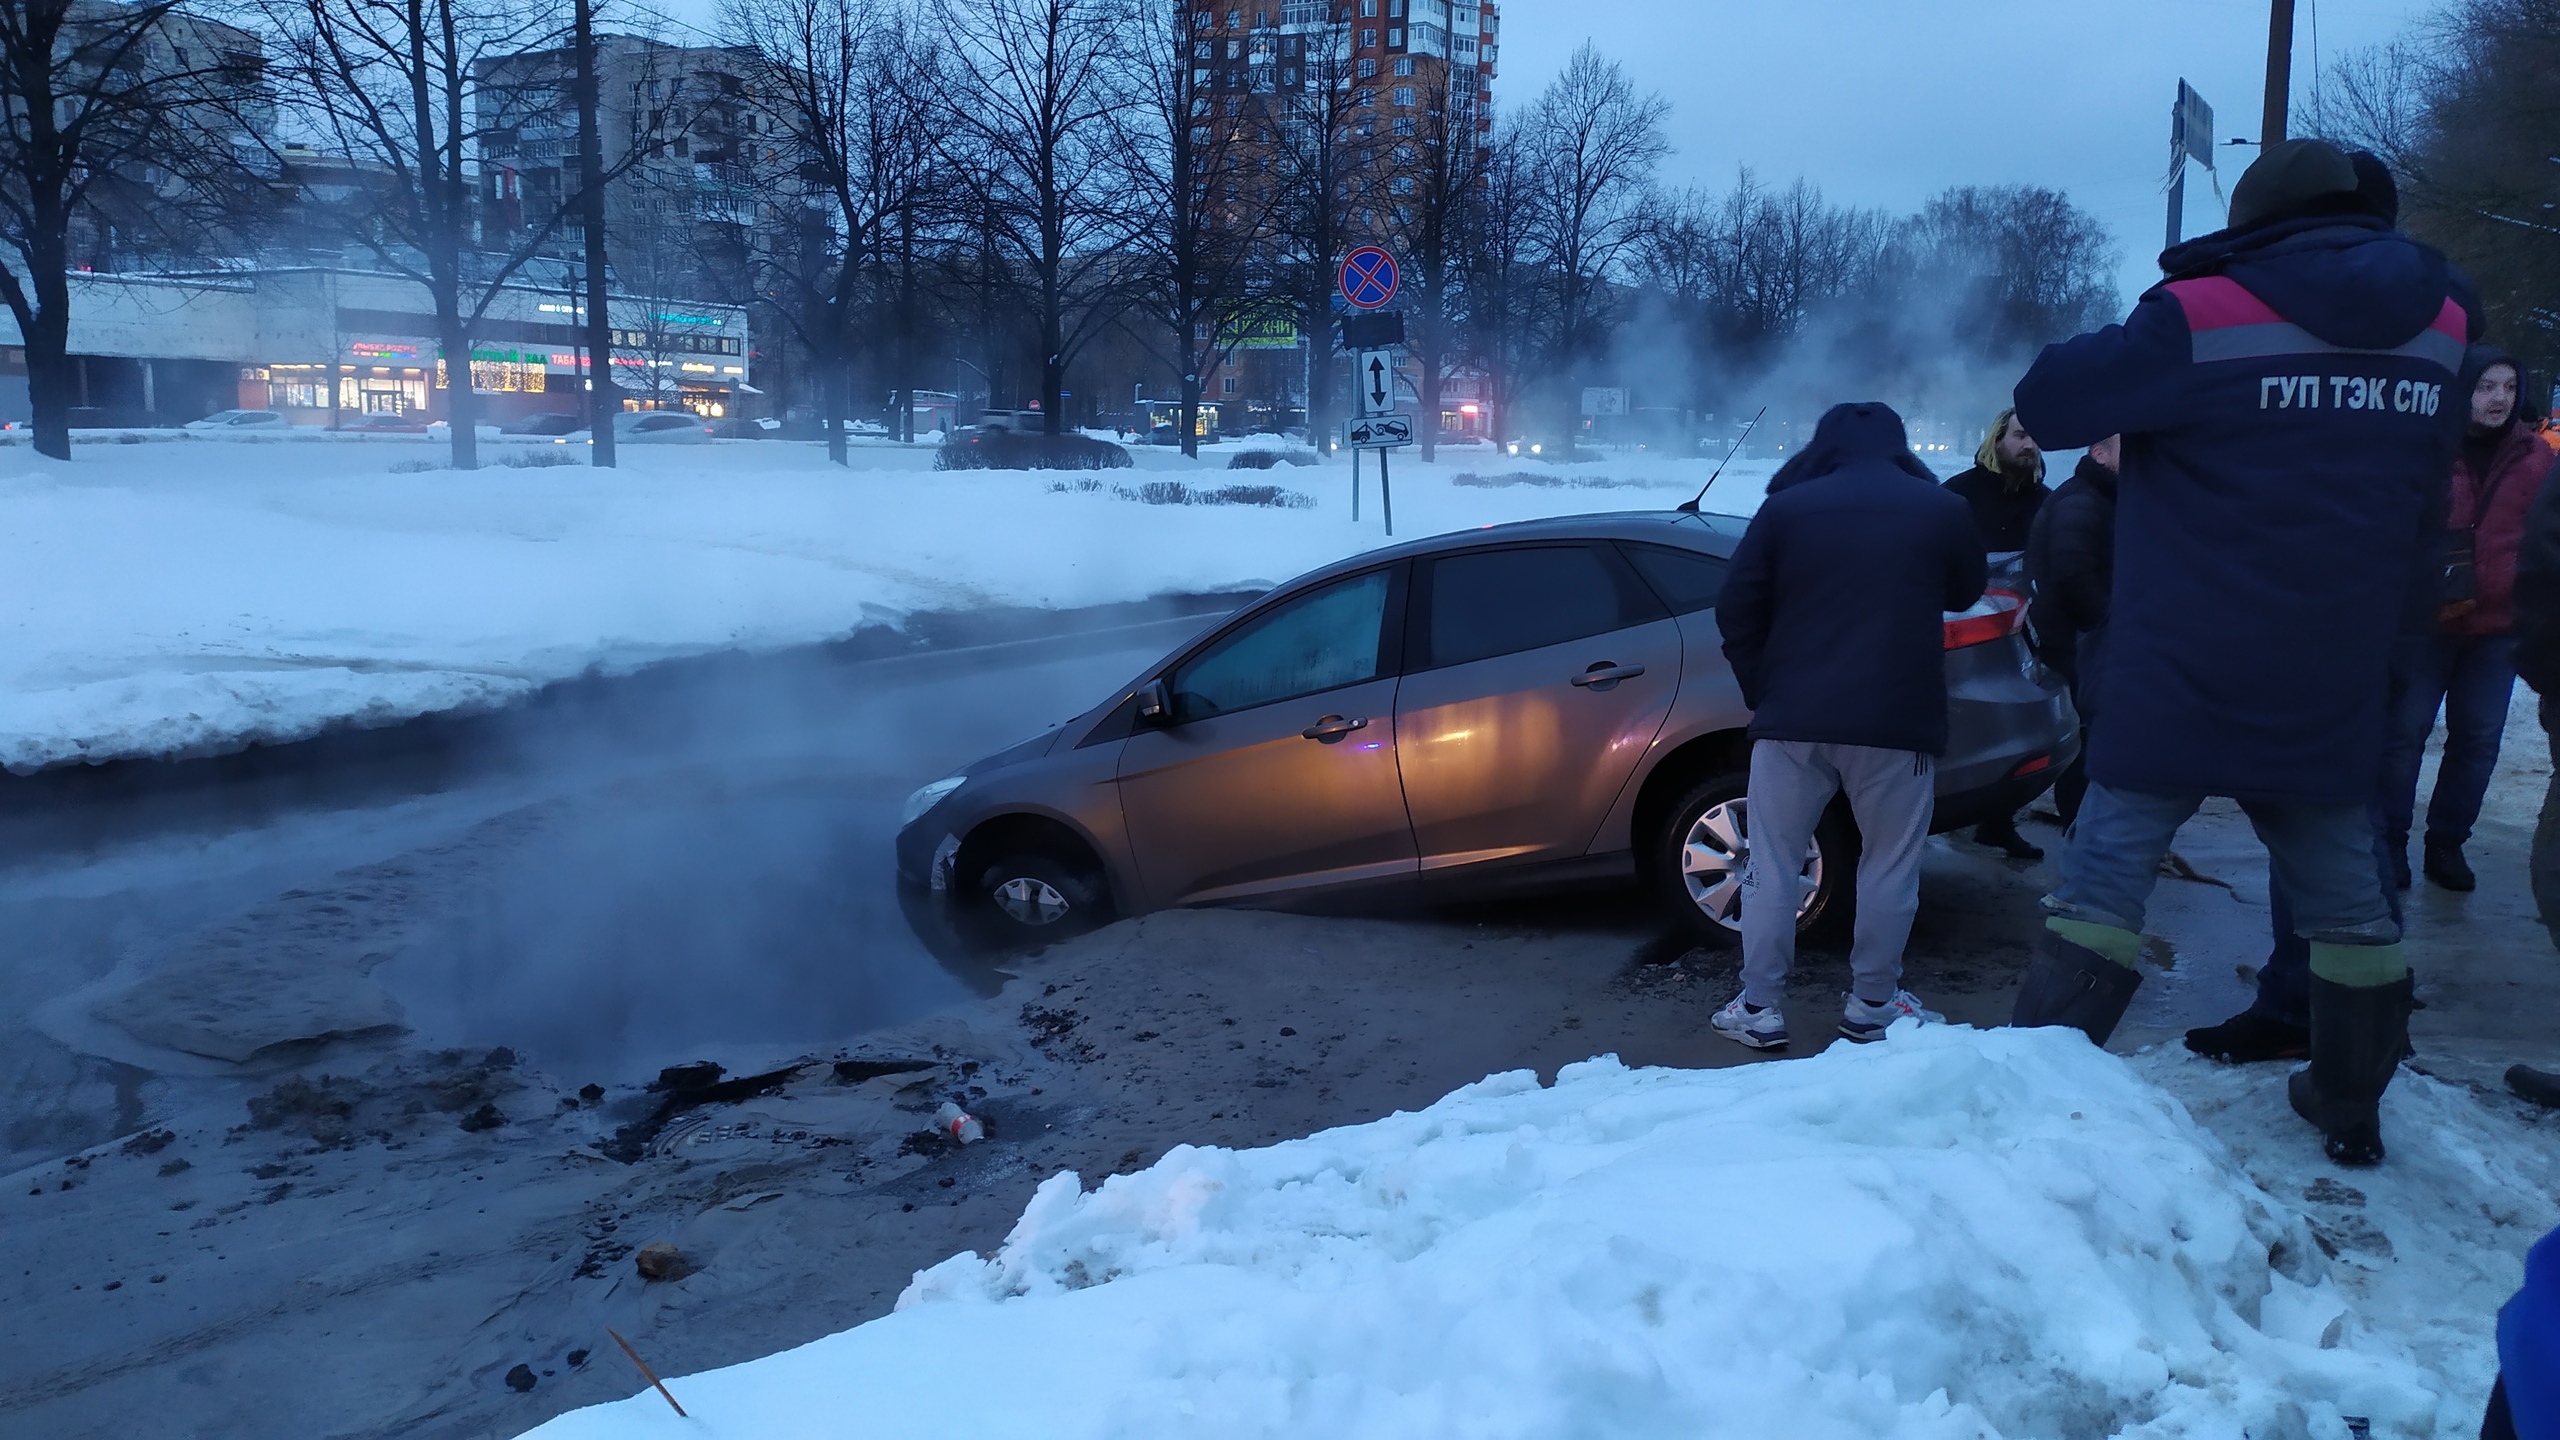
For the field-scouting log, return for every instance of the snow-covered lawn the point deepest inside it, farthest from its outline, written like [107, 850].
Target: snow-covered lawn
[187, 596]
[1958, 1233]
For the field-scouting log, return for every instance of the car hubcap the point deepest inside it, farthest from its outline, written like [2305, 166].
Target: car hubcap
[1714, 855]
[1030, 901]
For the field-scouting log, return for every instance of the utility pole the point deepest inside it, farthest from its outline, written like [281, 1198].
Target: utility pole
[2279, 73]
[601, 404]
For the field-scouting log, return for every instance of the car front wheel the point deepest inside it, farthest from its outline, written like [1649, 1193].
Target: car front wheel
[1703, 846]
[1036, 895]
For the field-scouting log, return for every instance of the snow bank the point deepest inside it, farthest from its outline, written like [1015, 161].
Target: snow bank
[1955, 1234]
[197, 596]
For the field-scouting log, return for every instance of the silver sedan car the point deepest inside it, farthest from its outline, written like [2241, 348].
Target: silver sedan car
[1524, 705]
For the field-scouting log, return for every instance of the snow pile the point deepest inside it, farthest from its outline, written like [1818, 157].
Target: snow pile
[189, 598]
[1955, 1234]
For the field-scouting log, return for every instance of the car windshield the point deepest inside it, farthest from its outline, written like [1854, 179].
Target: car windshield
[1320, 640]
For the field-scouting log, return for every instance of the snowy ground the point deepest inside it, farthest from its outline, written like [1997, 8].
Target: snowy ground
[192, 596]
[1959, 1233]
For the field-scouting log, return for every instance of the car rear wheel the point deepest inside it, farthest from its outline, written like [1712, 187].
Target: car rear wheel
[1703, 845]
[1031, 893]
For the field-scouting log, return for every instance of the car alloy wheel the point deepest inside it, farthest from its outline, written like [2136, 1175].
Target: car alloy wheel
[1716, 852]
[1030, 901]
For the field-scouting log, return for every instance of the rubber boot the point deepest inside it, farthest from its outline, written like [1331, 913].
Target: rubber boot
[2358, 1034]
[2071, 984]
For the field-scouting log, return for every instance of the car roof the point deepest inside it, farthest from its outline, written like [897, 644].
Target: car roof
[1708, 534]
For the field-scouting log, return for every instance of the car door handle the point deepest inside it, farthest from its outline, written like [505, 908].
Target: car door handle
[1334, 727]
[1606, 674]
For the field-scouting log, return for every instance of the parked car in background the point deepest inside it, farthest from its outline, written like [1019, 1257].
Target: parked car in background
[653, 427]
[443, 430]
[554, 426]
[1527, 704]
[229, 422]
[741, 427]
[383, 422]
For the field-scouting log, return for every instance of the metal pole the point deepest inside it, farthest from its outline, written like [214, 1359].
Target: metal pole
[1386, 496]
[2178, 203]
[1355, 484]
[2279, 73]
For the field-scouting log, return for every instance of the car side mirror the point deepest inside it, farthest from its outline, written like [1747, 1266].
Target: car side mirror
[1155, 704]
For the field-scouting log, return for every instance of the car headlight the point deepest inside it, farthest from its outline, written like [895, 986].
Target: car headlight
[928, 797]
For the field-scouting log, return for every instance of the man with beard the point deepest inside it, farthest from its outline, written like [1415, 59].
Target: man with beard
[2005, 489]
[2285, 400]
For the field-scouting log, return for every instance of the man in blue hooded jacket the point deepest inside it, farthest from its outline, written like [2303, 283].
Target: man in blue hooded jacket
[1831, 618]
[2284, 398]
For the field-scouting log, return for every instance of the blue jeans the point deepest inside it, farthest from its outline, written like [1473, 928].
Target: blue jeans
[2469, 677]
[2284, 982]
[2321, 854]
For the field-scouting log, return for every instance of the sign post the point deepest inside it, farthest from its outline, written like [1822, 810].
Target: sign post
[1368, 281]
[2190, 138]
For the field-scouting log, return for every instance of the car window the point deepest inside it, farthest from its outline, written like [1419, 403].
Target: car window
[1499, 602]
[665, 422]
[1686, 580]
[1320, 640]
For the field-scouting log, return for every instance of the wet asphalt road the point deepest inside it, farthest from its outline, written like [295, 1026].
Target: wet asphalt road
[690, 863]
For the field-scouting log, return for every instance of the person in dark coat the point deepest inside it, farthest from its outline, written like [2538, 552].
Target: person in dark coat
[2071, 565]
[2005, 489]
[2536, 601]
[1832, 617]
[2006, 486]
[2284, 399]
[2468, 666]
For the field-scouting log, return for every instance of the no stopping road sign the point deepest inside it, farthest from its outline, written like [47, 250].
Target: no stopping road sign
[1367, 278]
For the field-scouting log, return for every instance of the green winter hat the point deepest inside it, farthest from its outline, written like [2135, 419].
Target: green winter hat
[2288, 180]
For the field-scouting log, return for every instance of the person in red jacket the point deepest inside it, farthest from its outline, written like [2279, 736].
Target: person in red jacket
[2468, 667]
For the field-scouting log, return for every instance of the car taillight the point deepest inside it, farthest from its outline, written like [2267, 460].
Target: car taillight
[1996, 616]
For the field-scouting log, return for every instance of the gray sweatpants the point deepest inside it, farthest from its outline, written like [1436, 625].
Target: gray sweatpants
[1891, 792]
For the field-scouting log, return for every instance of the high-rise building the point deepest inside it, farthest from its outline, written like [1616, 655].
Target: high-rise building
[1350, 100]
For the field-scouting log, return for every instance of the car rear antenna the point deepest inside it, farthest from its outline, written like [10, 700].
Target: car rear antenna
[1690, 507]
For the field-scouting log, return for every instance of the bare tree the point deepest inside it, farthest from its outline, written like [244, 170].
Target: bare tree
[1212, 195]
[1434, 204]
[406, 90]
[1325, 142]
[2011, 267]
[850, 93]
[2467, 113]
[1038, 129]
[1507, 293]
[90, 95]
[1593, 142]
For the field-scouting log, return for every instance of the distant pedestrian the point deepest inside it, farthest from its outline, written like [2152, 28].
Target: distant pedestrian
[2468, 666]
[2071, 566]
[1832, 619]
[2284, 401]
[2005, 489]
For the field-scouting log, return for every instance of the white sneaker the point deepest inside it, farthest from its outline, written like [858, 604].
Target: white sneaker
[1763, 1029]
[1866, 1024]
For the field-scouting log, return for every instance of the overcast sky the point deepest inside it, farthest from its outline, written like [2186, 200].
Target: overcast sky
[1884, 102]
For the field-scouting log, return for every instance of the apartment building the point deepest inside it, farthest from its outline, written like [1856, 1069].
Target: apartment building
[1390, 78]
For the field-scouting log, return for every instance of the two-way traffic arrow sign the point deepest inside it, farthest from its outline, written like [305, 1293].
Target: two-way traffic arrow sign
[1373, 382]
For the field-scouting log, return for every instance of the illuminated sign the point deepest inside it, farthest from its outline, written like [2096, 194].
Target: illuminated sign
[382, 350]
[674, 319]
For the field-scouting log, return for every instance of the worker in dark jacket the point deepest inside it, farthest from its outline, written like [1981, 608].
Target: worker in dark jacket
[2468, 666]
[2005, 489]
[1832, 615]
[2071, 563]
[2283, 398]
